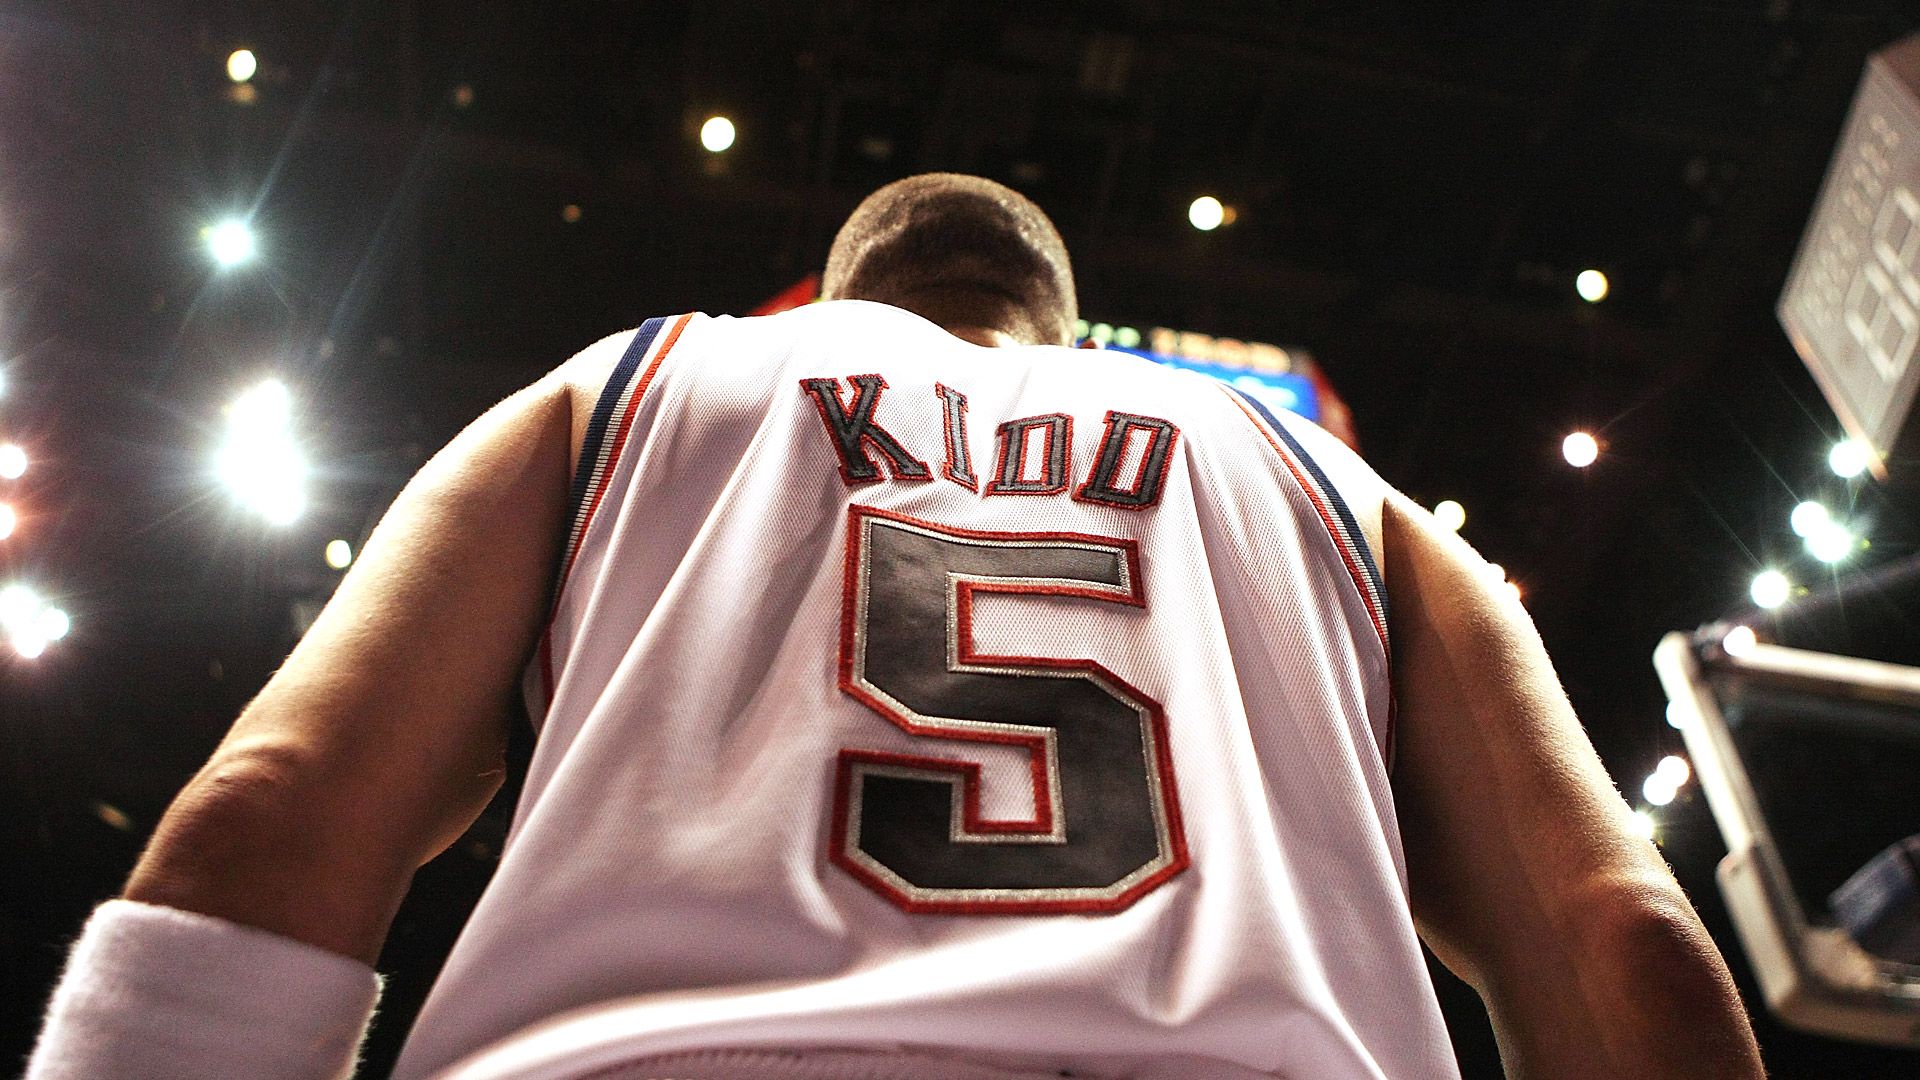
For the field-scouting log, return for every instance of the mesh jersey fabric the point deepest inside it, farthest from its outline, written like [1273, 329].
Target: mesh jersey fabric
[706, 853]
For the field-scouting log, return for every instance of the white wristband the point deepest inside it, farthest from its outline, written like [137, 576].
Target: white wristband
[158, 993]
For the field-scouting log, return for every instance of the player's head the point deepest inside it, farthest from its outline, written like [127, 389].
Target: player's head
[961, 251]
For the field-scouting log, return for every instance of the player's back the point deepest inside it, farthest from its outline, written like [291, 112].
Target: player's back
[1025, 706]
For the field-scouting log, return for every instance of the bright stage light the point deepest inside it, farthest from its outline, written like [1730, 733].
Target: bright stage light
[9, 520]
[1675, 769]
[264, 408]
[1770, 589]
[1591, 285]
[1831, 542]
[241, 64]
[1658, 790]
[13, 462]
[1740, 641]
[1643, 823]
[1449, 515]
[339, 554]
[1849, 458]
[1675, 718]
[28, 622]
[259, 462]
[1206, 213]
[716, 134]
[1580, 449]
[19, 606]
[1808, 518]
[231, 242]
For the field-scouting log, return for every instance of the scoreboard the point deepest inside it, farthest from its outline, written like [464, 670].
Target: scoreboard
[1852, 302]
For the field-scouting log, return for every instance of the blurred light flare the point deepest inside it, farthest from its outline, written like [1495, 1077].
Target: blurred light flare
[1740, 641]
[339, 554]
[716, 134]
[9, 520]
[1658, 790]
[1674, 768]
[259, 462]
[230, 242]
[1591, 285]
[1849, 458]
[1206, 213]
[241, 65]
[29, 622]
[13, 461]
[1643, 823]
[1770, 589]
[18, 604]
[1832, 542]
[1580, 449]
[1450, 515]
[1807, 518]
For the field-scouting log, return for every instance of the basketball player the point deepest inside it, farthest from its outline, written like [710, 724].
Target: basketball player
[916, 698]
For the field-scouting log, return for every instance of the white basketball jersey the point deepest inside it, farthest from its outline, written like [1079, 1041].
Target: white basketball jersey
[1023, 705]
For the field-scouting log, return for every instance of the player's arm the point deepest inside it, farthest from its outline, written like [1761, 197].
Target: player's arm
[1526, 879]
[382, 737]
[245, 940]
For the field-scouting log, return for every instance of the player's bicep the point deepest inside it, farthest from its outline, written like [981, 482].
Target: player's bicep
[1513, 831]
[392, 711]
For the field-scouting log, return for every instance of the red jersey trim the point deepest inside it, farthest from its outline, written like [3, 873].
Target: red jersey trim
[613, 444]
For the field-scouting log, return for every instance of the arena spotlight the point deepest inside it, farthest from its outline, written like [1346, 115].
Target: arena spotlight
[19, 605]
[1659, 789]
[13, 462]
[231, 242]
[1580, 449]
[1449, 515]
[259, 462]
[9, 520]
[1770, 589]
[29, 622]
[716, 134]
[1643, 823]
[1831, 542]
[241, 64]
[339, 554]
[1740, 641]
[1591, 285]
[1206, 213]
[1808, 518]
[1849, 458]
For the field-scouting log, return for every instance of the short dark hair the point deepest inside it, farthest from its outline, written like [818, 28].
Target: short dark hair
[958, 250]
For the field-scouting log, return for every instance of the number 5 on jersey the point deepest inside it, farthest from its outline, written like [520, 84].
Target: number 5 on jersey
[1106, 825]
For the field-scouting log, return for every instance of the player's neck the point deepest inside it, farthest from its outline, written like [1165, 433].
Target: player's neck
[983, 335]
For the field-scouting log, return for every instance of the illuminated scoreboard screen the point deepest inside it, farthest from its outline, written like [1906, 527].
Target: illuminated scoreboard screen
[1852, 301]
[1279, 378]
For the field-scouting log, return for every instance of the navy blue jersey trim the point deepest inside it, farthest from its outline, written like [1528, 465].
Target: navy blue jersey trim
[603, 411]
[1333, 496]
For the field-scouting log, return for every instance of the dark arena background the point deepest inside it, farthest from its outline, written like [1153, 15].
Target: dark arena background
[257, 261]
